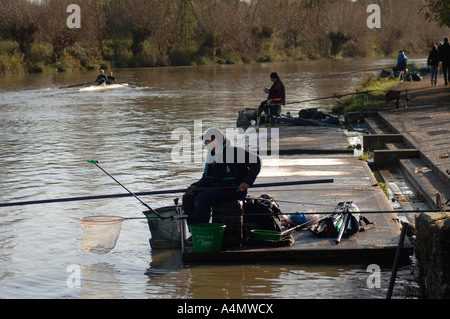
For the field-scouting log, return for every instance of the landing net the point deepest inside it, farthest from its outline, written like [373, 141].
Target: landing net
[100, 233]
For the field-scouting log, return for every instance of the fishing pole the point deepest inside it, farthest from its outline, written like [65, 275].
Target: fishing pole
[160, 192]
[130, 192]
[336, 96]
[348, 73]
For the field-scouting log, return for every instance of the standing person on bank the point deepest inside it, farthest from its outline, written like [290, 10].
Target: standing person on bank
[444, 53]
[226, 166]
[402, 62]
[433, 62]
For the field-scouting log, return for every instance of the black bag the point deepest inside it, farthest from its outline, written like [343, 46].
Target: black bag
[262, 213]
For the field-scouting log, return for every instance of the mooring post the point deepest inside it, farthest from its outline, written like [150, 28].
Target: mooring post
[396, 260]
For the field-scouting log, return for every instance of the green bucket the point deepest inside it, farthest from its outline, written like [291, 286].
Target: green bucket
[207, 237]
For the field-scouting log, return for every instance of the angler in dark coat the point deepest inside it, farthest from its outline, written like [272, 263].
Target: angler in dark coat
[276, 94]
[226, 166]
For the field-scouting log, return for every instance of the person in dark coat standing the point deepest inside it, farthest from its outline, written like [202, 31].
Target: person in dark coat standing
[229, 172]
[444, 53]
[433, 62]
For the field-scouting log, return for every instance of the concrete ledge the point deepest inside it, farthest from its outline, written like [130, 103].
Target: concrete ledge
[427, 183]
[378, 141]
[352, 117]
[381, 157]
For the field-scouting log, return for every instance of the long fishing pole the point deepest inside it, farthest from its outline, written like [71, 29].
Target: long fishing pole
[336, 96]
[160, 192]
[348, 73]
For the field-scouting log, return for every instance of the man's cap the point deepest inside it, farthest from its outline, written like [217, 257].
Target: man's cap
[212, 133]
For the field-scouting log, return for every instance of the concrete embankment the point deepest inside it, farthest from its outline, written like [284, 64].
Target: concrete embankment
[416, 138]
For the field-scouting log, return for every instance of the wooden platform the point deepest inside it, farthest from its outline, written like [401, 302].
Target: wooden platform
[353, 182]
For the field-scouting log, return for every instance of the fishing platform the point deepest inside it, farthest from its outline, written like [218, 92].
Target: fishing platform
[353, 181]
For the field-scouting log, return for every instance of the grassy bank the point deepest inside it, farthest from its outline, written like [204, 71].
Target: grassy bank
[371, 95]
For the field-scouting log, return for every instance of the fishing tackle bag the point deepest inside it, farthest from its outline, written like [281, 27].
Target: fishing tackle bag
[329, 227]
[262, 213]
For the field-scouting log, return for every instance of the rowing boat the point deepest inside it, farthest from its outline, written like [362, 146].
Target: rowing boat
[103, 87]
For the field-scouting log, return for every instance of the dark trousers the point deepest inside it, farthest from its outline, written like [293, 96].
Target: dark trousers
[198, 206]
[445, 70]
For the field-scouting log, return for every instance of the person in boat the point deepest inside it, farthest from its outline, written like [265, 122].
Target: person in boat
[111, 78]
[276, 94]
[228, 173]
[101, 78]
[402, 62]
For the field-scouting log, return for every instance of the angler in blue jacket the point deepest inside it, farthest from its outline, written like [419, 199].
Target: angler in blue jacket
[229, 172]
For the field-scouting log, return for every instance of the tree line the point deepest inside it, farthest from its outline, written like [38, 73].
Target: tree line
[136, 33]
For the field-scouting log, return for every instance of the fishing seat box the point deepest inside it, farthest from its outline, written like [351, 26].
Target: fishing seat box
[230, 213]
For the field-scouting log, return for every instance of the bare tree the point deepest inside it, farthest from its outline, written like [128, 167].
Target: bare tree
[20, 21]
[136, 19]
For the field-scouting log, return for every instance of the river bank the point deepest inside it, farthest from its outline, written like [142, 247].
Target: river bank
[415, 138]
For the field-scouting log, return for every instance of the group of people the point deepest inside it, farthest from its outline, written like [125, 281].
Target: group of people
[440, 53]
[103, 78]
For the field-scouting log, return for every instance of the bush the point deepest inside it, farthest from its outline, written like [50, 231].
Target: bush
[11, 64]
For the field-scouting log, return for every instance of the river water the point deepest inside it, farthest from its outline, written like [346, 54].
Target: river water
[47, 135]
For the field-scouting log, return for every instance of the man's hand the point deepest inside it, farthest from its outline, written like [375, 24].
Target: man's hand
[243, 187]
[191, 190]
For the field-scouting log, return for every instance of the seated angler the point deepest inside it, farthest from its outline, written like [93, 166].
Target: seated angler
[229, 172]
[276, 94]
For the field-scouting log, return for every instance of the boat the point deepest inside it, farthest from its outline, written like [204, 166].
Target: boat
[103, 87]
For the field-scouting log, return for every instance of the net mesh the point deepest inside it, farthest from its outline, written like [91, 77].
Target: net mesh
[100, 233]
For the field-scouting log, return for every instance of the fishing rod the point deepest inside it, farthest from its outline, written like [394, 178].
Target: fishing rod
[160, 192]
[348, 73]
[336, 96]
[130, 192]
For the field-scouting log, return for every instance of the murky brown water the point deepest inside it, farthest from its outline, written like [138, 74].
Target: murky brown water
[47, 134]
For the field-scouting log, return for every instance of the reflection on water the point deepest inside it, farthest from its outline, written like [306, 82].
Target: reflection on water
[47, 135]
[263, 280]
